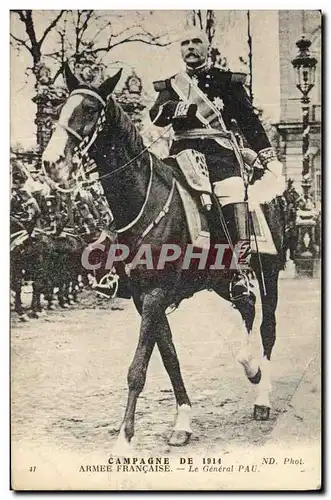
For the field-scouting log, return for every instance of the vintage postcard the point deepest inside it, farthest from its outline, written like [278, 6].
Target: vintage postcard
[165, 245]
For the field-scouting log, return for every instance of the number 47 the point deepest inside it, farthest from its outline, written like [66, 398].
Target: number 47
[32, 468]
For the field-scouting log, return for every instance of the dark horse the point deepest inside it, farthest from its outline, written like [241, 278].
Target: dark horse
[147, 208]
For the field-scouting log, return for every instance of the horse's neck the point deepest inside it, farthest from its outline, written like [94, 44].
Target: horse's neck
[125, 164]
[126, 189]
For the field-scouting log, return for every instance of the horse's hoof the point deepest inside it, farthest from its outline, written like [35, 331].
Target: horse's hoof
[179, 438]
[122, 448]
[256, 378]
[64, 306]
[261, 413]
[24, 318]
[42, 312]
[51, 307]
[34, 314]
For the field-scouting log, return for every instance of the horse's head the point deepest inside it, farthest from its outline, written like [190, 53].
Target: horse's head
[79, 120]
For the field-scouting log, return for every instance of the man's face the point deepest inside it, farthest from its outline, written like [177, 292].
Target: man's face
[194, 51]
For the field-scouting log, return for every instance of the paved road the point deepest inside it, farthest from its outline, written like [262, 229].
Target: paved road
[69, 376]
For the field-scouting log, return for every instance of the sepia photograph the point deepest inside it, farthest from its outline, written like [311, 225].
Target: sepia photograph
[165, 250]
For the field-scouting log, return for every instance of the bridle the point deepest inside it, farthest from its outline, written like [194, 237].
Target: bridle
[81, 150]
[86, 142]
[81, 157]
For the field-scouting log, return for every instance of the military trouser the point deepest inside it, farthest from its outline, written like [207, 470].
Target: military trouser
[230, 191]
[229, 187]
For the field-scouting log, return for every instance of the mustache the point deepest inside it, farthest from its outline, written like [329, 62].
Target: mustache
[190, 52]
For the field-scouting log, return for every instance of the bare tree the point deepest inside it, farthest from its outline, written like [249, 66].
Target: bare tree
[77, 32]
[204, 20]
[29, 39]
[82, 36]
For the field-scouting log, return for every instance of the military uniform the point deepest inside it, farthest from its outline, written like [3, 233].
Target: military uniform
[225, 90]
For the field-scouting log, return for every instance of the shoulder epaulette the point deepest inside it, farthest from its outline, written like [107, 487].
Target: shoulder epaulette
[238, 78]
[160, 85]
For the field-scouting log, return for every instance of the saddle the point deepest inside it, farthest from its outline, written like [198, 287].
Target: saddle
[202, 208]
[193, 167]
[193, 185]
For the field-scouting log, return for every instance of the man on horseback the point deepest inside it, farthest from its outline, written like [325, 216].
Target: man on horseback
[200, 103]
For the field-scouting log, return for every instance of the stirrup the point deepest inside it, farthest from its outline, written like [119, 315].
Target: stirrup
[107, 286]
[241, 280]
[103, 291]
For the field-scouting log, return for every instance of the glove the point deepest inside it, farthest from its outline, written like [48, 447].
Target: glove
[276, 168]
[184, 109]
[271, 184]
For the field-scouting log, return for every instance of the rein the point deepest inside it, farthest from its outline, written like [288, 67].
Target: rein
[136, 219]
[85, 143]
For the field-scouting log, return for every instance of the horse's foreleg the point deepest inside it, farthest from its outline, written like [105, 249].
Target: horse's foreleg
[151, 307]
[268, 336]
[182, 431]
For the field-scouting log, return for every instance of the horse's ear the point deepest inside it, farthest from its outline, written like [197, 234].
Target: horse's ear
[71, 81]
[107, 87]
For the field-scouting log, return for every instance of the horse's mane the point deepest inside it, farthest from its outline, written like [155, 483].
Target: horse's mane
[126, 128]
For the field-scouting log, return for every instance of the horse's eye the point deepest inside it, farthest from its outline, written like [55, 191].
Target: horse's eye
[88, 112]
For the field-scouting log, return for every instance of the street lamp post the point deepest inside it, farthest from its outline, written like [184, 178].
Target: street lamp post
[306, 252]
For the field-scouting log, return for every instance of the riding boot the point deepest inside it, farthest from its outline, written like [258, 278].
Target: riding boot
[236, 219]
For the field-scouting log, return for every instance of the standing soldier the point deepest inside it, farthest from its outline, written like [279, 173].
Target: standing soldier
[24, 206]
[200, 103]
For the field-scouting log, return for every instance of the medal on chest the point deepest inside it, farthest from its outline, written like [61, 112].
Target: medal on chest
[218, 103]
[195, 80]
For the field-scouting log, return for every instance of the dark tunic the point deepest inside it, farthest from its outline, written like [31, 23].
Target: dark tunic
[229, 87]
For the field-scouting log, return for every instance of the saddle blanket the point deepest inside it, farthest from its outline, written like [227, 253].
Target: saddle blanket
[262, 236]
[200, 234]
[197, 225]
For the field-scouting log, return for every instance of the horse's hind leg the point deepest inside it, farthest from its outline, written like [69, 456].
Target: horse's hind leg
[268, 334]
[246, 308]
[182, 431]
